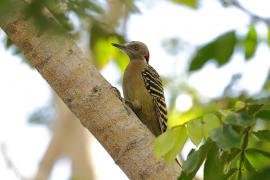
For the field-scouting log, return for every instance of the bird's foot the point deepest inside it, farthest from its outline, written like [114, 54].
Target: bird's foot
[128, 103]
[134, 105]
[123, 100]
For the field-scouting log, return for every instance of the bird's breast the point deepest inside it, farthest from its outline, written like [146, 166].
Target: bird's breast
[133, 83]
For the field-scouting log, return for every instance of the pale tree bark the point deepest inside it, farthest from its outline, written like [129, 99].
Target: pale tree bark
[116, 10]
[69, 137]
[88, 95]
[69, 140]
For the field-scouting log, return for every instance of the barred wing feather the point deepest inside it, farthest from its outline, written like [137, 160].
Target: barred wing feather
[153, 85]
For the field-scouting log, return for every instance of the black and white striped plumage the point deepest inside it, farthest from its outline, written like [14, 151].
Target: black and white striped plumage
[154, 86]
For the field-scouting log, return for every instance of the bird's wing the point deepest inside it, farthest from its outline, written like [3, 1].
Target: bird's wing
[153, 85]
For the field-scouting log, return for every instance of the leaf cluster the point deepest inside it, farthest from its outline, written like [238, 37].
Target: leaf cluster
[222, 48]
[64, 16]
[232, 143]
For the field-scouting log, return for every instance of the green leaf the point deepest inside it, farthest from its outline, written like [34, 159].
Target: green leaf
[220, 50]
[201, 128]
[248, 165]
[170, 143]
[251, 42]
[203, 54]
[210, 122]
[194, 161]
[258, 158]
[261, 175]
[264, 112]
[163, 144]
[253, 108]
[221, 162]
[224, 47]
[232, 154]
[104, 51]
[83, 7]
[100, 44]
[226, 137]
[213, 161]
[195, 131]
[190, 3]
[121, 61]
[263, 135]
[239, 105]
[230, 173]
[180, 137]
[239, 119]
[266, 86]
[224, 112]
[9, 43]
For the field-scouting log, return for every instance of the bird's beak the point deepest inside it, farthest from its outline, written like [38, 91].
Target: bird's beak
[120, 46]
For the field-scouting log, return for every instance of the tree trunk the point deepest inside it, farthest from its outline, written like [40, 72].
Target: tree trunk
[87, 94]
[70, 140]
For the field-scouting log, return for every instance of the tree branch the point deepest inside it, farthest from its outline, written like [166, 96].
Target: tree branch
[238, 5]
[69, 139]
[88, 95]
[251, 14]
[9, 163]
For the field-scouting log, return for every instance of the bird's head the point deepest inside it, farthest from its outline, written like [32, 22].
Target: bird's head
[135, 50]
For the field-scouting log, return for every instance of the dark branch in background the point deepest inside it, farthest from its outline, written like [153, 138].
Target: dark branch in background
[229, 89]
[9, 162]
[239, 6]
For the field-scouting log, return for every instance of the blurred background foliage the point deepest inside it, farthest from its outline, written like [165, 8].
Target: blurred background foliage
[231, 132]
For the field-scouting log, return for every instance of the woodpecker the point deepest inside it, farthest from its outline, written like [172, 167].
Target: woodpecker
[142, 87]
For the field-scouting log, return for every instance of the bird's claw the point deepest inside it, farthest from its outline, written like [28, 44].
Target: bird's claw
[118, 94]
[128, 103]
[134, 105]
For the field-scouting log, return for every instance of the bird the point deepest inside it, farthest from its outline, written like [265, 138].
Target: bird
[142, 87]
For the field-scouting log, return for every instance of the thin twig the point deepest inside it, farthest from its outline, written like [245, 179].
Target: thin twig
[9, 163]
[254, 16]
[244, 145]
